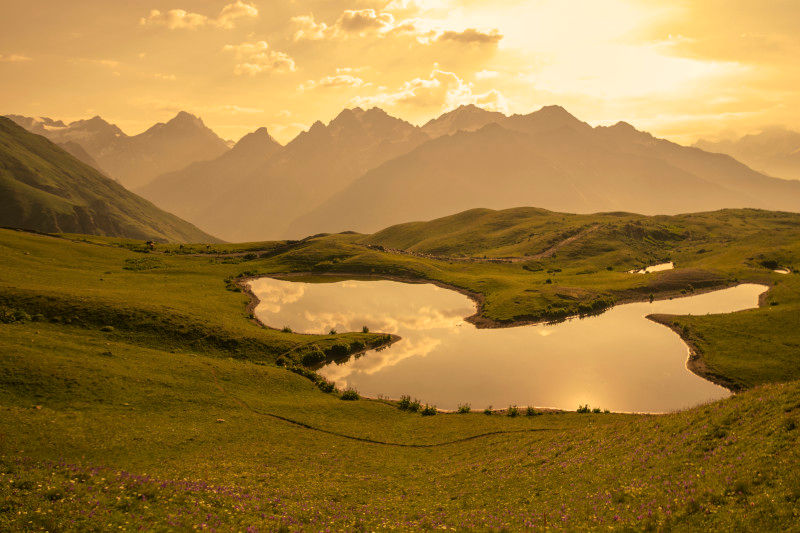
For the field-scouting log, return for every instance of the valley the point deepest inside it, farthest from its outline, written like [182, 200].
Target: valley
[217, 404]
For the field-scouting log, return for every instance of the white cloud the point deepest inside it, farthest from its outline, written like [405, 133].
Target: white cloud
[334, 82]
[13, 58]
[181, 19]
[257, 57]
[442, 90]
[351, 22]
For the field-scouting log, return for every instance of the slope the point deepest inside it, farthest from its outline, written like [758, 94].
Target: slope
[46, 189]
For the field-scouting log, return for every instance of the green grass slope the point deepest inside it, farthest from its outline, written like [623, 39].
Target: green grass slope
[136, 391]
[44, 188]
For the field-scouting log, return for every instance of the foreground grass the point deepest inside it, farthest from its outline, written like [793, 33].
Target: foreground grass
[99, 434]
[137, 392]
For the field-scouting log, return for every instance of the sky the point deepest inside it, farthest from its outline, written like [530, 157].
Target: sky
[681, 69]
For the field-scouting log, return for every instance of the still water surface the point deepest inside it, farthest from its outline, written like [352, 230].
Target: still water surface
[618, 360]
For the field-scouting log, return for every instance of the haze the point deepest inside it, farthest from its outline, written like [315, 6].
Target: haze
[681, 70]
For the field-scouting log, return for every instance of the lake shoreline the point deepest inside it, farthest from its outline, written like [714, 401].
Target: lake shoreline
[482, 322]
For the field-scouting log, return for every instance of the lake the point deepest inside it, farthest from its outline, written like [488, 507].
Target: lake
[618, 360]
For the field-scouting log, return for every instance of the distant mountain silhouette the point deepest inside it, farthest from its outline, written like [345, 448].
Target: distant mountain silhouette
[258, 204]
[44, 188]
[774, 151]
[193, 190]
[464, 118]
[552, 160]
[134, 160]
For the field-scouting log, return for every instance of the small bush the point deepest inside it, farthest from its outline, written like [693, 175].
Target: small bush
[286, 329]
[338, 350]
[583, 409]
[357, 346]
[464, 408]
[414, 406]
[326, 386]
[530, 411]
[365, 329]
[488, 411]
[313, 357]
[350, 395]
[404, 403]
[548, 281]
[332, 331]
[597, 410]
[429, 410]
[512, 411]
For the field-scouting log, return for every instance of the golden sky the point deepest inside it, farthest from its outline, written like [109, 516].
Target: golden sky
[681, 69]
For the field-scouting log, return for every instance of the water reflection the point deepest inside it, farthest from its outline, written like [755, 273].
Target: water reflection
[617, 360]
[654, 268]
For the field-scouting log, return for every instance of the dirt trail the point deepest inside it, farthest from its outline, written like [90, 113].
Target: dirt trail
[367, 440]
[553, 249]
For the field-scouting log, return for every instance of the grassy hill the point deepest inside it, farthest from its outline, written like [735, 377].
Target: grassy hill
[44, 188]
[136, 391]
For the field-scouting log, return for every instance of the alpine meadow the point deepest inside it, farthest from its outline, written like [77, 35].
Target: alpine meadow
[421, 265]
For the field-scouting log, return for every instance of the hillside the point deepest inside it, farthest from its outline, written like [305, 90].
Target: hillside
[774, 151]
[191, 191]
[44, 188]
[134, 160]
[92, 359]
[308, 170]
[549, 159]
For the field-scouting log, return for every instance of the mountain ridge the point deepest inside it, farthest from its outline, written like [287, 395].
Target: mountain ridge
[44, 188]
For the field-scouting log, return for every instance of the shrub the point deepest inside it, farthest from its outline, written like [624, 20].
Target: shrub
[313, 357]
[365, 329]
[488, 410]
[357, 346]
[350, 395]
[548, 281]
[414, 406]
[338, 350]
[404, 403]
[583, 409]
[464, 408]
[597, 410]
[332, 331]
[512, 411]
[429, 410]
[286, 329]
[530, 411]
[326, 386]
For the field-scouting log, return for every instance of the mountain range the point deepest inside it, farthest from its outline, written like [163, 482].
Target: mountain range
[775, 151]
[132, 160]
[548, 159]
[44, 188]
[365, 170]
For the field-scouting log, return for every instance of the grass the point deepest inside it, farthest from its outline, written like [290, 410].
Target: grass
[147, 398]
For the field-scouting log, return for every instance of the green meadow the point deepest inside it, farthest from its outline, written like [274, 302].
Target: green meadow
[138, 392]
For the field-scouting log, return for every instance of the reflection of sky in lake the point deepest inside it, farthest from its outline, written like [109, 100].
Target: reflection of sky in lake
[617, 360]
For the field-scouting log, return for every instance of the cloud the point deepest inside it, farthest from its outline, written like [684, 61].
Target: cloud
[181, 19]
[441, 90]
[382, 24]
[338, 81]
[257, 57]
[486, 74]
[352, 22]
[13, 58]
[471, 36]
